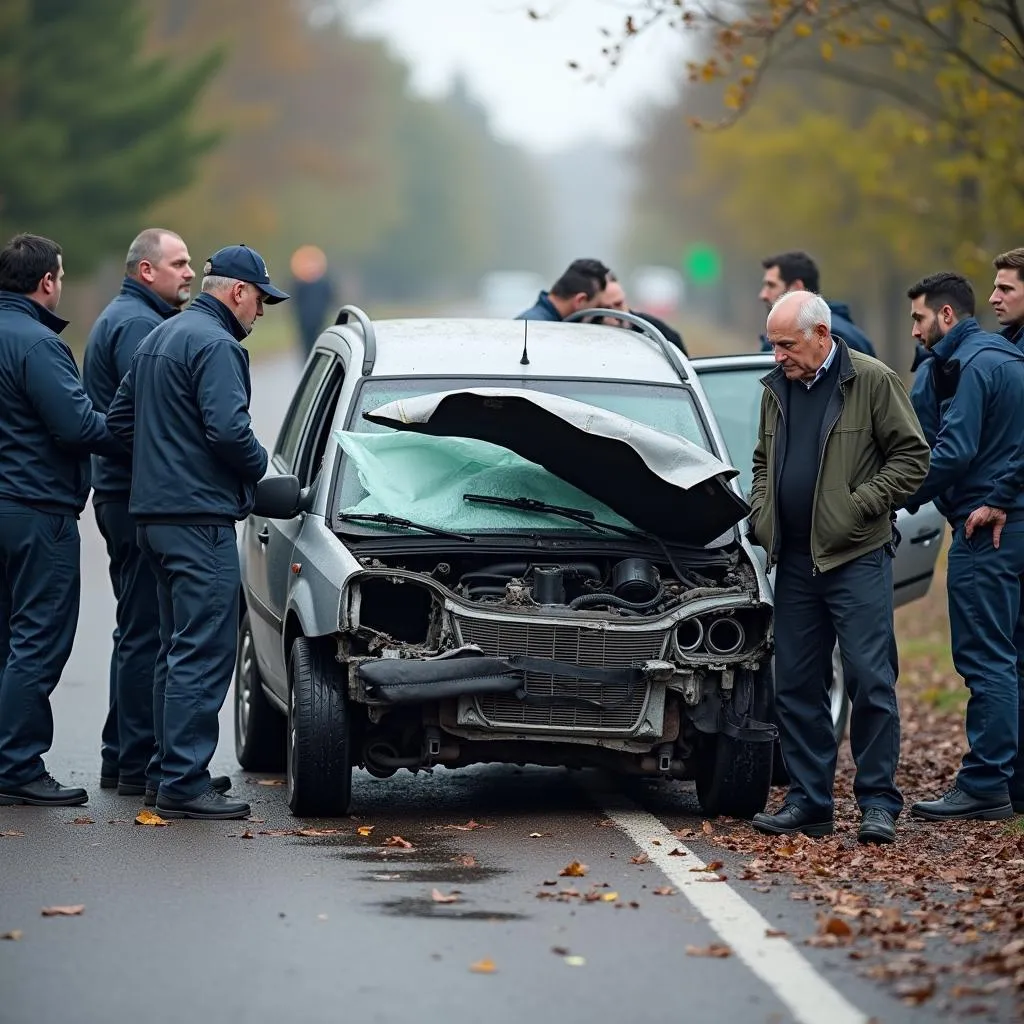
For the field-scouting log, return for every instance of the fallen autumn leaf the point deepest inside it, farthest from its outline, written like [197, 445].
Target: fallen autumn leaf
[365, 830]
[398, 841]
[12, 936]
[63, 911]
[439, 897]
[12, 835]
[270, 782]
[145, 817]
[716, 949]
[83, 821]
[574, 870]
[640, 858]
[483, 967]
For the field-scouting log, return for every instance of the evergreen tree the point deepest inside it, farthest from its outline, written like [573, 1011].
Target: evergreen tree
[92, 129]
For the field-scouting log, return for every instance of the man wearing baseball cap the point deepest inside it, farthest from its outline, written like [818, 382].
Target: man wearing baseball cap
[183, 407]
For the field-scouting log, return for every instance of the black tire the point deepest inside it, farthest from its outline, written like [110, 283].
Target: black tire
[840, 701]
[734, 777]
[319, 752]
[260, 729]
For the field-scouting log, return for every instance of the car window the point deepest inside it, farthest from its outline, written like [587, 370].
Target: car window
[291, 429]
[662, 406]
[735, 399]
[314, 443]
[665, 407]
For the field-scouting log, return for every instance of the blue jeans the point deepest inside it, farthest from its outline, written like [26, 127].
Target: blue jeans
[39, 592]
[987, 637]
[854, 603]
[198, 578]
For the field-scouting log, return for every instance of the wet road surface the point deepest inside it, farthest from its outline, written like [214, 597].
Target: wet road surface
[229, 922]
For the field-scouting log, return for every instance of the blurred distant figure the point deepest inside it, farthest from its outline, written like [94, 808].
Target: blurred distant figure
[312, 292]
[580, 287]
[615, 298]
[797, 272]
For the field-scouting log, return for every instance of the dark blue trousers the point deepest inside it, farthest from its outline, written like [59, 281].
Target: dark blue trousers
[855, 604]
[988, 651]
[39, 589]
[197, 577]
[128, 741]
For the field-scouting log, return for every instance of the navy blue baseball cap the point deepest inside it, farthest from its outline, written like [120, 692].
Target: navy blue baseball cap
[243, 263]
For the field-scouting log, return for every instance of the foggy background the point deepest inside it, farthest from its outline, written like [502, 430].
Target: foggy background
[426, 147]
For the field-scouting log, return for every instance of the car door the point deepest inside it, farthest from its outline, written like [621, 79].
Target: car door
[733, 388]
[267, 542]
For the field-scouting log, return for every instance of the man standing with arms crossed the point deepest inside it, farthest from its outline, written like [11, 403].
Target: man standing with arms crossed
[156, 286]
[184, 408]
[48, 427]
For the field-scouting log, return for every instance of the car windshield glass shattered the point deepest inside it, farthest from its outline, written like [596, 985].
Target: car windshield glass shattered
[423, 478]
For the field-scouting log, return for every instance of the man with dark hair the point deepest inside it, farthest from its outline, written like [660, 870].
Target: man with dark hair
[156, 285]
[183, 408]
[969, 397]
[47, 431]
[794, 272]
[1007, 298]
[614, 297]
[580, 287]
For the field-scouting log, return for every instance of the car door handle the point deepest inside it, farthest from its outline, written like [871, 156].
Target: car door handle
[264, 535]
[926, 537]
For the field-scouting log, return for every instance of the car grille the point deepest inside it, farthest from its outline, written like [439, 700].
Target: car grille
[579, 646]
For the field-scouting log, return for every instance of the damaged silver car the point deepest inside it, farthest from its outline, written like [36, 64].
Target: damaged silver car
[501, 559]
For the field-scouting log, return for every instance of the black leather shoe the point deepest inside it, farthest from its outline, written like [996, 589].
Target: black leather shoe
[1018, 806]
[108, 778]
[956, 805]
[221, 783]
[45, 791]
[211, 806]
[877, 826]
[790, 820]
[131, 787]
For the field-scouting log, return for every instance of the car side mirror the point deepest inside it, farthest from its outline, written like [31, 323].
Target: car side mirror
[278, 497]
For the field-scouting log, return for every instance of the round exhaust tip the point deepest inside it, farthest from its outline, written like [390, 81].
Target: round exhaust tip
[726, 636]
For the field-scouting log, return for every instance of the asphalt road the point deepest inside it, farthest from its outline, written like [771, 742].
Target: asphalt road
[201, 922]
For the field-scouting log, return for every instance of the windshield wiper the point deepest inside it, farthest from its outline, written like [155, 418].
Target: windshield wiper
[389, 520]
[578, 515]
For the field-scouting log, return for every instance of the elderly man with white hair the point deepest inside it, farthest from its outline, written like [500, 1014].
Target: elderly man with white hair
[839, 448]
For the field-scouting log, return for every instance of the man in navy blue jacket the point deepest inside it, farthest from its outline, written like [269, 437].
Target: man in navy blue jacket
[580, 287]
[970, 399]
[183, 407]
[156, 285]
[795, 272]
[48, 427]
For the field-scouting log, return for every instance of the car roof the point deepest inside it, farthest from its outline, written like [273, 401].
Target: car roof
[738, 361]
[494, 348]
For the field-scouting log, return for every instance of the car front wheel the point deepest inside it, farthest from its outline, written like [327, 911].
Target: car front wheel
[734, 775]
[319, 756]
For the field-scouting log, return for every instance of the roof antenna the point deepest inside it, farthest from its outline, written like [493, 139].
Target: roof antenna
[524, 360]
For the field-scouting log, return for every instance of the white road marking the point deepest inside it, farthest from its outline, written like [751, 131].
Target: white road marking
[808, 996]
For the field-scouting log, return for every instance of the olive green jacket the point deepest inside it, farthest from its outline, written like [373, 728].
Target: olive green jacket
[872, 457]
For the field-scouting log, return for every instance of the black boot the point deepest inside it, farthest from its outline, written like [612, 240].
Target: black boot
[877, 826]
[45, 791]
[790, 820]
[221, 783]
[211, 805]
[956, 805]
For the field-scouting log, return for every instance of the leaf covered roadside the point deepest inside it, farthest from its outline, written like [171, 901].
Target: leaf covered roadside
[938, 915]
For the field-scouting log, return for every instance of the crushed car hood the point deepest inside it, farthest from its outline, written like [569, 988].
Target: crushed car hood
[660, 482]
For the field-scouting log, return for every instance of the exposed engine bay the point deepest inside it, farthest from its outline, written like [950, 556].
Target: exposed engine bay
[630, 654]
